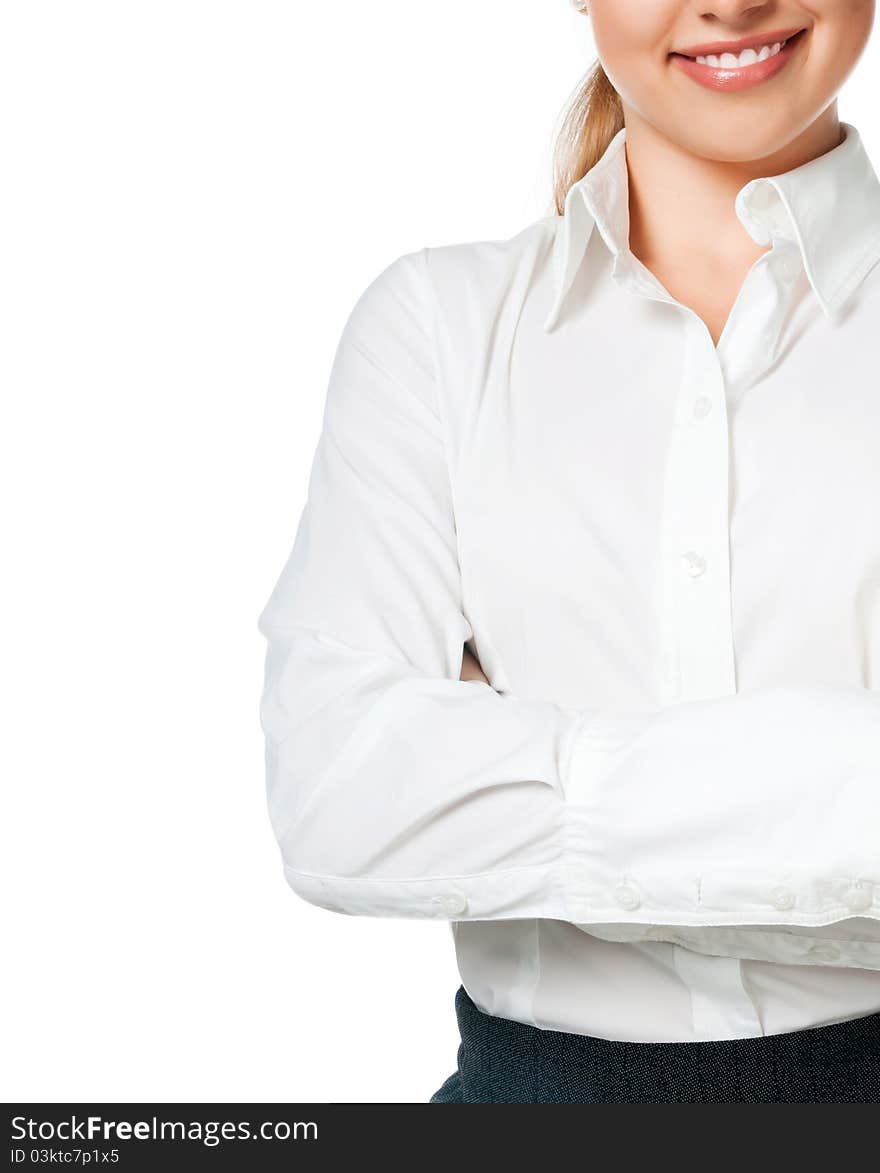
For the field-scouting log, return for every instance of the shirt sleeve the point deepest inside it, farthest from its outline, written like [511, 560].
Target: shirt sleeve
[397, 789]
[394, 787]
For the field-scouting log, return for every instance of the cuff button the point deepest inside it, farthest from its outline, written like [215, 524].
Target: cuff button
[627, 896]
[782, 898]
[858, 898]
[451, 903]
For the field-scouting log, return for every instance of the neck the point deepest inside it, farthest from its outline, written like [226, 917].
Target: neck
[666, 229]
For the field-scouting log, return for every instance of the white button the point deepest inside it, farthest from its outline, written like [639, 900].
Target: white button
[694, 563]
[824, 953]
[786, 266]
[858, 898]
[782, 898]
[627, 896]
[702, 407]
[451, 902]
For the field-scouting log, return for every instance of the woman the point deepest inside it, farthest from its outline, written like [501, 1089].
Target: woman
[578, 646]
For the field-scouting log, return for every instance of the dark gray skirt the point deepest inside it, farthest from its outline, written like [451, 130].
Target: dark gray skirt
[505, 1062]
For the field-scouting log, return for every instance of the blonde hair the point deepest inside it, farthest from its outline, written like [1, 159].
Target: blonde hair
[590, 121]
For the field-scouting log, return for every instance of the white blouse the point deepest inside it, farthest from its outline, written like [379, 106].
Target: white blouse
[660, 821]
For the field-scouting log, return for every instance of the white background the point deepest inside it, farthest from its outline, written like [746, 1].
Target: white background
[194, 194]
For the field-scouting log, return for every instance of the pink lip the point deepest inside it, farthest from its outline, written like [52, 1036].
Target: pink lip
[754, 41]
[719, 77]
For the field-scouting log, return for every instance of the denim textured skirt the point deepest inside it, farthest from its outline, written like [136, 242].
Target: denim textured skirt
[505, 1062]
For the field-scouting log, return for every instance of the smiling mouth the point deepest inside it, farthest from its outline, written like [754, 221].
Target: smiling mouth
[756, 60]
[742, 59]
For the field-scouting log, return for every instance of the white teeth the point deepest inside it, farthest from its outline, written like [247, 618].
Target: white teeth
[740, 60]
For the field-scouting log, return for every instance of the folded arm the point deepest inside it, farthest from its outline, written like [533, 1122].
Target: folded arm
[401, 784]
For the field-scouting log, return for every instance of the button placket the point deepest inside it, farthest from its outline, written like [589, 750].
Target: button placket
[695, 564]
[695, 612]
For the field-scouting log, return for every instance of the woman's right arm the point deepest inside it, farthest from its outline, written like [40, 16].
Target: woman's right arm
[395, 787]
[399, 785]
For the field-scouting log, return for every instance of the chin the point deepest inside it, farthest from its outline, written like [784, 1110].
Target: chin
[733, 143]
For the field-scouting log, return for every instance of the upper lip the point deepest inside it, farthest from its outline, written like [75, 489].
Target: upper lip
[754, 41]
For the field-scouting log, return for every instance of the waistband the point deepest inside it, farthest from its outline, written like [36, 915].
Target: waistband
[503, 1061]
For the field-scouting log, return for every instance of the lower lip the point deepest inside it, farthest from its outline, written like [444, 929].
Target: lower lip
[721, 77]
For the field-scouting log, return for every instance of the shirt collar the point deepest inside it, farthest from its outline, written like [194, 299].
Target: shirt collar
[829, 207]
